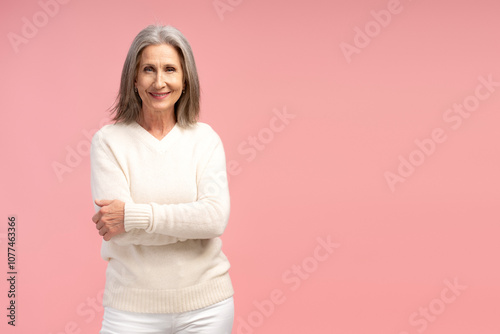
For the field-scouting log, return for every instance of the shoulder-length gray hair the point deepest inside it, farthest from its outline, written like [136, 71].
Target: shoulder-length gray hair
[128, 104]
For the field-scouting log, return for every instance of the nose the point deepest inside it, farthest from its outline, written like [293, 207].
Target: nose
[159, 82]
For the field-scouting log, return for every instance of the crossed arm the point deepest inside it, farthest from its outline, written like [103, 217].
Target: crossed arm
[110, 219]
[120, 220]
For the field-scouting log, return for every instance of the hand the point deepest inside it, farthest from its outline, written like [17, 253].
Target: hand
[109, 220]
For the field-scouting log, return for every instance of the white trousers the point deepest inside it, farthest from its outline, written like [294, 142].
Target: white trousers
[214, 319]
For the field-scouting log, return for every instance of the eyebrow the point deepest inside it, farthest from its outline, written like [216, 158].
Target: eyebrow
[148, 64]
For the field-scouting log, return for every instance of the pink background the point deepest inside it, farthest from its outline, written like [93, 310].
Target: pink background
[322, 174]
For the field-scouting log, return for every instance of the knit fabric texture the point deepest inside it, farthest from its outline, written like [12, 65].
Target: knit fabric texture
[176, 196]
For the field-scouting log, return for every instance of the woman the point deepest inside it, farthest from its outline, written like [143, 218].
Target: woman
[161, 196]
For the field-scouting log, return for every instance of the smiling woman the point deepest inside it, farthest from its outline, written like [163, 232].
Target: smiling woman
[161, 196]
[168, 44]
[159, 84]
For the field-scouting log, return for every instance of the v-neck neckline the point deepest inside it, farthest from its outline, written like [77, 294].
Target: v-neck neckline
[154, 143]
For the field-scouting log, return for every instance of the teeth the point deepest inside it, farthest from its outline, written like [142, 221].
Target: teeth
[159, 94]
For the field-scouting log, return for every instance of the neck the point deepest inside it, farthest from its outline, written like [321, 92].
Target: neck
[157, 123]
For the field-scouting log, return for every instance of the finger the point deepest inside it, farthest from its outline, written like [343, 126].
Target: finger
[103, 231]
[102, 202]
[99, 225]
[107, 236]
[96, 217]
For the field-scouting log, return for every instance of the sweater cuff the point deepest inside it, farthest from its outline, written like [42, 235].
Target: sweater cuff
[137, 216]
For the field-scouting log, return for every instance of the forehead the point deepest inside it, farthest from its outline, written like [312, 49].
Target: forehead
[162, 53]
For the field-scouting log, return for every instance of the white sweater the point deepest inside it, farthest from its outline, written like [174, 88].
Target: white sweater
[176, 197]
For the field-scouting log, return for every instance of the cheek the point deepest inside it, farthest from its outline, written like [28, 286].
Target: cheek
[179, 79]
[141, 81]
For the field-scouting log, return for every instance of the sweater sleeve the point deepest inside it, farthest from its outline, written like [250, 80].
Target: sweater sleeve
[108, 181]
[204, 218]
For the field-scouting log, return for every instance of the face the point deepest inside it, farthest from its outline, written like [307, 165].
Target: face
[160, 79]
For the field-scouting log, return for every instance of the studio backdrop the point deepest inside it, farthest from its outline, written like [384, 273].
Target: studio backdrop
[362, 150]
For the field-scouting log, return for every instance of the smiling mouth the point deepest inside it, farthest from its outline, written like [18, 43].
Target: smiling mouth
[159, 95]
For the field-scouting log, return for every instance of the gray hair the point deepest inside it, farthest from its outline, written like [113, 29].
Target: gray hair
[128, 104]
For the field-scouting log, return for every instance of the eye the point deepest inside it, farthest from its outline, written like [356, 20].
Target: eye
[170, 69]
[148, 69]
